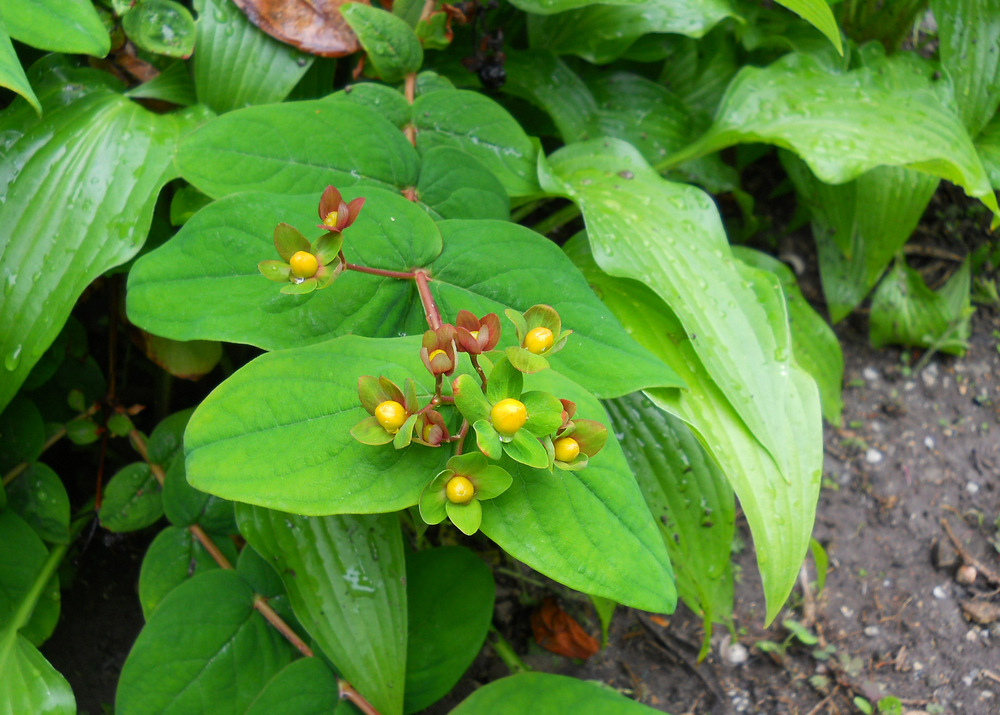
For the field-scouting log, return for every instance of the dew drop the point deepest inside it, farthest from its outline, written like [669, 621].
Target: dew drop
[13, 359]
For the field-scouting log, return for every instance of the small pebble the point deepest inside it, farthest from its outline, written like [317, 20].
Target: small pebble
[871, 631]
[940, 592]
[967, 680]
[736, 654]
[873, 456]
[966, 574]
[929, 376]
[972, 488]
[870, 374]
[929, 442]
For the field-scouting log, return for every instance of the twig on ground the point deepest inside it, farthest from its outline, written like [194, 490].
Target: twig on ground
[987, 573]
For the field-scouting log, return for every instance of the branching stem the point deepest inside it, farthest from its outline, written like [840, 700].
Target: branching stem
[404, 275]
[427, 300]
[56, 436]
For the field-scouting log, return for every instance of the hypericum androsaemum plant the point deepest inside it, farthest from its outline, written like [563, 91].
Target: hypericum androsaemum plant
[710, 369]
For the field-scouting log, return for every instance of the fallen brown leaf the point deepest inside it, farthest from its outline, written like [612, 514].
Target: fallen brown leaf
[557, 631]
[313, 26]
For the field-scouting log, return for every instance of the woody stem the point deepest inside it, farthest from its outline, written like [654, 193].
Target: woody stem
[427, 300]
[405, 275]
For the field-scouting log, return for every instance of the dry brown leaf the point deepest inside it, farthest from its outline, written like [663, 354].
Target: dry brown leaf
[557, 631]
[313, 26]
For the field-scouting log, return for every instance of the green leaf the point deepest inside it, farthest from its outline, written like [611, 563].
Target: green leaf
[284, 455]
[392, 48]
[465, 517]
[821, 561]
[605, 609]
[70, 26]
[547, 7]
[80, 202]
[547, 694]
[779, 511]
[131, 500]
[505, 382]
[345, 577]
[163, 27]
[906, 312]
[11, 73]
[969, 34]
[39, 497]
[29, 600]
[487, 440]
[891, 111]
[818, 14]
[238, 65]
[183, 505]
[526, 449]
[174, 557]
[22, 433]
[588, 529]
[814, 344]
[256, 571]
[187, 359]
[30, 683]
[859, 226]
[689, 496]
[172, 85]
[601, 33]
[307, 686]
[167, 439]
[988, 146]
[297, 147]
[454, 184]
[484, 267]
[483, 129]
[204, 648]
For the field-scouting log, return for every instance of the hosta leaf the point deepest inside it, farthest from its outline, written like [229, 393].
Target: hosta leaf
[298, 147]
[891, 111]
[482, 128]
[816, 348]
[689, 495]
[30, 683]
[22, 565]
[589, 529]
[11, 73]
[346, 579]
[859, 226]
[818, 14]
[174, 557]
[236, 64]
[70, 26]
[601, 33]
[446, 633]
[547, 694]
[546, 7]
[906, 312]
[779, 506]
[988, 146]
[485, 266]
[172, 85]
[79, 200]
[969, 33]
[204, 649]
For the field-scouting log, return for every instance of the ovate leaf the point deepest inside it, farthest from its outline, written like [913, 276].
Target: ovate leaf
[547, 694]
[131, 500]
[79, 200]
[391, 47]
[39, 497]
[174, 557]
[205, 648]
[307, 686]
[346, 579]
[70, 26]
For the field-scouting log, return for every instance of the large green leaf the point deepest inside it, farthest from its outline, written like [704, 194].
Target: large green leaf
[450, 594]
[453, 184]
[547, 7]
[80, 184]
[969, 33]
[346, 579]
[22, 560]
[601, 33]
[479, 126]
[307, 686]
[891, 111]
[204, 649]
[11, 73]
[859, 226]
[70, 26]
[988, 146]
[689, 495]
[30, 683]
[906, 312]
[236, 64]
[485, 266]
[816, 348]
[818, 14]
[547, 694]
[779, 510]
[298, 147]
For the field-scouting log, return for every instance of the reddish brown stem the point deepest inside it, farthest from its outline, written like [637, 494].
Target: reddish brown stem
[482, 375]
[460, 437]
[264, 608]
[56, 436]
[430, 307]
[347, 692]
[404, 275]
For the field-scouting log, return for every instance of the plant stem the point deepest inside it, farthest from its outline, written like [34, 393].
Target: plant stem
[404, 275]
[56, 436]
[503, 650]
[264, 608]
[557, 219]
[427, 300]
[482, 375]
[460, 437]
[347, 692]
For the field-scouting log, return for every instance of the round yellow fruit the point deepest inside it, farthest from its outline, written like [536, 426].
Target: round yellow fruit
[304, 264]
[567, 449]
[391, 415]
[508, 416]
[538, 340]
[460, 490]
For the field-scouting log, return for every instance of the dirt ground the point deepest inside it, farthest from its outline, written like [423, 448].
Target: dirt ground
[918, 455]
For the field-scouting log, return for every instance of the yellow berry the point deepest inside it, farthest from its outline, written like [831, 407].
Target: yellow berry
[391, 415]
[331, 219]
[508, 416]
[460, 490]
[304, 264]
[538, 340]
[567, 449]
